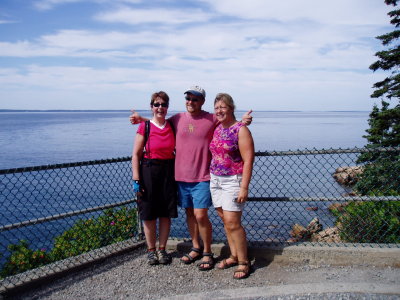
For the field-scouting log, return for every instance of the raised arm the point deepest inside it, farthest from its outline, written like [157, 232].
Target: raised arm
[247, 118]
[135, 118]
[246, 148]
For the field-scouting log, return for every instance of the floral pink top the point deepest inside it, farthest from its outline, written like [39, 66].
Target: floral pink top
[224, 147]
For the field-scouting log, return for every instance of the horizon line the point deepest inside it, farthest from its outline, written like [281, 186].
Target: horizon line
[125, 110]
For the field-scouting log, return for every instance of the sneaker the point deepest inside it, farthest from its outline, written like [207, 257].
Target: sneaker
[152, 258]
[164, 257]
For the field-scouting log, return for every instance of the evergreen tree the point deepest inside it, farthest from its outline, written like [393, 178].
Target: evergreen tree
[382, 172]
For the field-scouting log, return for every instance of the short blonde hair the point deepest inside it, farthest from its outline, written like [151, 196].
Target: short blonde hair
[226, 98]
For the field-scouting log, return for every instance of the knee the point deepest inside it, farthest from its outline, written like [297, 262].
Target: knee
[232, 226]
[202, 218]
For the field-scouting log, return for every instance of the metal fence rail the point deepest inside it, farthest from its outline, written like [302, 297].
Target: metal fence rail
[59, 208]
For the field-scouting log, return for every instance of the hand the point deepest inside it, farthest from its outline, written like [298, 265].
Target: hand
[243, 195]
[136, 186]
[135, 118]
[247, 118]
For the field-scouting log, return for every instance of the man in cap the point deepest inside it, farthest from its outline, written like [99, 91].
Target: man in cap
[194, 130]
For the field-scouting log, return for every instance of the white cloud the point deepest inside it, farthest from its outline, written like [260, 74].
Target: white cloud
[334, 12]
[291, 55]
[164, 16]
[51, 4]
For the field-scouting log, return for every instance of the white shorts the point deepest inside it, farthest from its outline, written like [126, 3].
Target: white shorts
[225, 190]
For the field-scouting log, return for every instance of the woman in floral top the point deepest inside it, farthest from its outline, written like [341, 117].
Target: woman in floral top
[232, 150]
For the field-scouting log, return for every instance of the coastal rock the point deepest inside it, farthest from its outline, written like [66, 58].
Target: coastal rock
[301, 233]
[348, 175]
[329, 235]
[312, 208]
[314, 227]
[314, 233]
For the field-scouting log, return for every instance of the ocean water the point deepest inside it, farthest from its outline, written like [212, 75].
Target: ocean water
[41, 138]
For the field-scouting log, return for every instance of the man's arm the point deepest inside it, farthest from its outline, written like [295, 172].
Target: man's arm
[247, 118]
[135, 118]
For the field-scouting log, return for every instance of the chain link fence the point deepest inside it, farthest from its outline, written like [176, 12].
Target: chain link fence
[56, 213]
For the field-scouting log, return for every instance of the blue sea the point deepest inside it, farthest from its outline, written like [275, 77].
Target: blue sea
[41, 138]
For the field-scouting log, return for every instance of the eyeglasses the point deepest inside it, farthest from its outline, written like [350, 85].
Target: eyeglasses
[192, 99]
[160, 104]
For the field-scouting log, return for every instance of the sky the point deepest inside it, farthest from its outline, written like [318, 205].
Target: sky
[307, 55]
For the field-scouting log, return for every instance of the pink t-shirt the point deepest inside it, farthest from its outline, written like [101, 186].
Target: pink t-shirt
[193, 137]
[226, 159]
[161, 142]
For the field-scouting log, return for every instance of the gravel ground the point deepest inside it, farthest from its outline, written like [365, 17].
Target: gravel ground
[129, 277]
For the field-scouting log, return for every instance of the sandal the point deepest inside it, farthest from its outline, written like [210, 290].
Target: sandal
[224, 264]
[245, 271]
[191, 259]
[207, 265]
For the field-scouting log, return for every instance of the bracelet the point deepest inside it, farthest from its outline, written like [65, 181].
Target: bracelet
[136, 181]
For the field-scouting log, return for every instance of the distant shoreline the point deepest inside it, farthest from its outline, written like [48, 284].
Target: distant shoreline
[127, 110]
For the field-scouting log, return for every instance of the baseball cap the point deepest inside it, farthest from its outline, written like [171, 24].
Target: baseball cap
[197, 91]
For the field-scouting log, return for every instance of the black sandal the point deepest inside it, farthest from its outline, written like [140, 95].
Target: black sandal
[207, 265]
[245, 271]
[191, 259]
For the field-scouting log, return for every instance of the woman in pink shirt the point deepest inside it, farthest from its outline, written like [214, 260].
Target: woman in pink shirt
[153, 177]
[232, 151]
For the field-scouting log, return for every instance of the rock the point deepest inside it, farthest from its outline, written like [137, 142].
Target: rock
[314, 226]
[348, 175]
[329, 235]
[298, 231]
[312, 208]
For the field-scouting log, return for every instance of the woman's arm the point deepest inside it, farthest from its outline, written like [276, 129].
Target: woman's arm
[137, 155]
[246, 148]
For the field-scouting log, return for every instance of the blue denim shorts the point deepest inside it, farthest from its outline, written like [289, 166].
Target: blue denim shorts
[194, 194]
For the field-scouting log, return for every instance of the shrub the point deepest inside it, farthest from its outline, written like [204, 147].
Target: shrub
[381, 177]
[22, 259]
[85, 235]
[369, 222]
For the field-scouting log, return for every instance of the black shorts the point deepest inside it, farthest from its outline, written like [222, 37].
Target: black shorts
[160, 196]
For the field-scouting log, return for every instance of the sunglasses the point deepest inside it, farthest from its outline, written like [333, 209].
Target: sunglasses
[192, 99]
[160, 104]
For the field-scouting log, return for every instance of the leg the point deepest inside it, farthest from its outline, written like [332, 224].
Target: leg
[194, 234]
[150, 234]
[233, 225]
[205, 230]
[232, 260]
[149, 227]
[164, 227]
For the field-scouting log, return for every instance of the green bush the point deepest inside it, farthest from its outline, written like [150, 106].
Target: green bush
[369, 222]
[382, 177]
[85, 235]
[22, 259]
